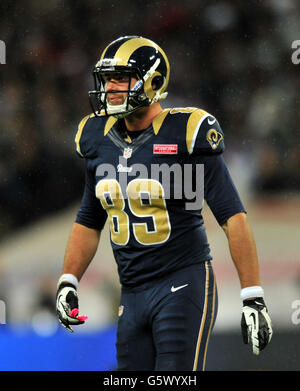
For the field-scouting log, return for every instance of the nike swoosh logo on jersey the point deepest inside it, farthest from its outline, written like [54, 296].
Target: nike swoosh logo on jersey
[210, 122]
[173, 289]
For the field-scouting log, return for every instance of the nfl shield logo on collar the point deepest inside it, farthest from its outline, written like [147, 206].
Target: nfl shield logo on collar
[127, 153]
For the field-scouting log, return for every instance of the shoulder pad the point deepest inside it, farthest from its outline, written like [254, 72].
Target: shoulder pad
[87, 135]
[204, 134]
[79, 134]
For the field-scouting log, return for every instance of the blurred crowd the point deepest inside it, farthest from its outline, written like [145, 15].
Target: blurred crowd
[232, 58]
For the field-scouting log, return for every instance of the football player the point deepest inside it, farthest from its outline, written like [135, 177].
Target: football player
[169, 297]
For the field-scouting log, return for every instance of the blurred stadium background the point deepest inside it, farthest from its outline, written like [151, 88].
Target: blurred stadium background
[232, 58]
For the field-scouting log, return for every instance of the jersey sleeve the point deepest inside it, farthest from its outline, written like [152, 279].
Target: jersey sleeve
[204, 135]
[220, 192]
[91, 214]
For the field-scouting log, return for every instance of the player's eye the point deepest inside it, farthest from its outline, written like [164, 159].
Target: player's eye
[116, 77]
[122, 78]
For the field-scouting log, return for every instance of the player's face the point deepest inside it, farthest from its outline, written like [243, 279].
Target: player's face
[118, 82]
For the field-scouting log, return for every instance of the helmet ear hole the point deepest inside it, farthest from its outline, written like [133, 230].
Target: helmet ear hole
[157, 82]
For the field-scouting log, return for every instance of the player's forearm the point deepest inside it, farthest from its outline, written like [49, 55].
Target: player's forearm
[243, 249]
[81, 248]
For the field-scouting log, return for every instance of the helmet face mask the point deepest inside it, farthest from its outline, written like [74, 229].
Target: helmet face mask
[132, 57]
[135, 98]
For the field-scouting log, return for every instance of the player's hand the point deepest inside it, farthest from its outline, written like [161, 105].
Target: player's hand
[67, 307]
[256, 324]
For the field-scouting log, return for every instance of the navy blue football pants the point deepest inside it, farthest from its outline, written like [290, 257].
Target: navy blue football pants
[165, 325]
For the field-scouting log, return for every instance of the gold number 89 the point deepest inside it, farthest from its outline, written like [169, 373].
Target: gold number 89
[145, 199]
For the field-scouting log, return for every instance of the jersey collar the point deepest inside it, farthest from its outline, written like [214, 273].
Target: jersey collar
[156, 123]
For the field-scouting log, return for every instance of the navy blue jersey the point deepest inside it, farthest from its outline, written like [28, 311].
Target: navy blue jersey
[149, 187]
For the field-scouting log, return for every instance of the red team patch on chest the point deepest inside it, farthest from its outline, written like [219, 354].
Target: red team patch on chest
[167, 149]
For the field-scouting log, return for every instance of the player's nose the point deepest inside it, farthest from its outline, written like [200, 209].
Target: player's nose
[112, 85]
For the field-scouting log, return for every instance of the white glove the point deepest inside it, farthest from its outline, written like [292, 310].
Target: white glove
[256, 324]
[67, 305]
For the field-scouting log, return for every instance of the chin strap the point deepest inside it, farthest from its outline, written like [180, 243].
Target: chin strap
[158, 96]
